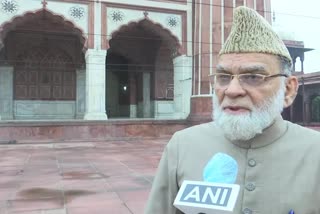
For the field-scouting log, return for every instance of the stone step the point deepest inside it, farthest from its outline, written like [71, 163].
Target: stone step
[14, 132]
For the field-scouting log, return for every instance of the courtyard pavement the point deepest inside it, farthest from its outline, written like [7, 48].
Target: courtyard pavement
[111, 177]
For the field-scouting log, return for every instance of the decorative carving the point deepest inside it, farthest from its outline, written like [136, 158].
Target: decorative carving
[117, 16]
[172, 21]
[146, 14]
[44, 75]
[77, 12]
[170, 91]
[9, 6]
[44, 4]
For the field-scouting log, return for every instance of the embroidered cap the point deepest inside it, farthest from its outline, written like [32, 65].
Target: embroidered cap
[251, 33]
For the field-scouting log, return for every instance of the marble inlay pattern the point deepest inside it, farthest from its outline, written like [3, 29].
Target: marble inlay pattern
[77, 12]
[9, 6]
[117, 16]
[172, 21]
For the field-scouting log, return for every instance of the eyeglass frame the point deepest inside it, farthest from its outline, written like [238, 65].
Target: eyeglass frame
[265, 77]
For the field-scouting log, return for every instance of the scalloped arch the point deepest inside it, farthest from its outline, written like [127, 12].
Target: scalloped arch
[8, 26]
[158, 27]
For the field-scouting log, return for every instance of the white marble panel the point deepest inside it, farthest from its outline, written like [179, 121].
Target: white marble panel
[6, 92]
[20, 8]
[95, 85]
[182, 86]
[154, 4]
[164, 106]
[166, 20]
[75, 12]
[28, 109]
[164, 109]
[57, 7]
[81, 94]
[133, 111]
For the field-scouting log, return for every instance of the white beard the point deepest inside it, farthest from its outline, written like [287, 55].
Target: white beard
[246, 126]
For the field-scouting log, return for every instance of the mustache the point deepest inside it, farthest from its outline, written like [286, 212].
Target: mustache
[242, 105]
[226, 103]
[277, 97]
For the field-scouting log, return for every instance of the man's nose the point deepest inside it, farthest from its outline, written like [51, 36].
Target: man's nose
[234, 89]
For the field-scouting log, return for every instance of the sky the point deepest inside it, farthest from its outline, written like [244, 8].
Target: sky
[301, 20]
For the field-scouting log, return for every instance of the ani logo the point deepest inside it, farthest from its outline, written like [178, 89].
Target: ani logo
[172, 21]
[77, 12]
[117, 16]
[9, 6]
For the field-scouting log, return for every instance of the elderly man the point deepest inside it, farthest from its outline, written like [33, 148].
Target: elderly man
[279, 162]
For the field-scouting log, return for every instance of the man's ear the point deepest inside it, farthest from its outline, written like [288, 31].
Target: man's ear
[292, 86]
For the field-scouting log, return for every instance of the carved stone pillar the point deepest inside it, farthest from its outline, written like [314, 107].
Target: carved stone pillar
[95, 85]
[81, 94]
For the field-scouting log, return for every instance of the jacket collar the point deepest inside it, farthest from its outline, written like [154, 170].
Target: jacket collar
[271, 134]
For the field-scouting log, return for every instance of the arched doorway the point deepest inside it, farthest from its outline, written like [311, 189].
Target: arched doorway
[139, 70]
[315, 108]
[45, 54]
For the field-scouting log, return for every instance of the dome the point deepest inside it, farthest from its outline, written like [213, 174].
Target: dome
[284, 32]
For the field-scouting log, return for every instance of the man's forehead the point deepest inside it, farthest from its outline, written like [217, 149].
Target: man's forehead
[242, 68]
[248, 56]
[246, 61]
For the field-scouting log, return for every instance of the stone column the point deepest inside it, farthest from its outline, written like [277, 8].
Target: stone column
[6, 92]
[146, 95]
[294, 64]
[81, 94]
[95, 85]
[133, 94]
[182, 86]
[301, 61]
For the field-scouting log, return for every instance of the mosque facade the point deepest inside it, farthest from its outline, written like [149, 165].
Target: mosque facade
[96, 60]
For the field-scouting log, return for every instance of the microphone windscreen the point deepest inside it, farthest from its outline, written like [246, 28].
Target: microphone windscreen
[221, 168]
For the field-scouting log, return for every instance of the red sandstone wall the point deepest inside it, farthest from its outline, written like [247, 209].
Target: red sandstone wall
[212, 23]
[209, 33]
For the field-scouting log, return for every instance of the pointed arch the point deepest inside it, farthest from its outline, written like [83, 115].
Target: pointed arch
[156, 28]
[65, 26]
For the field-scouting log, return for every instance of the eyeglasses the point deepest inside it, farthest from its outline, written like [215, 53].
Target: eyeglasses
[247, 79]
